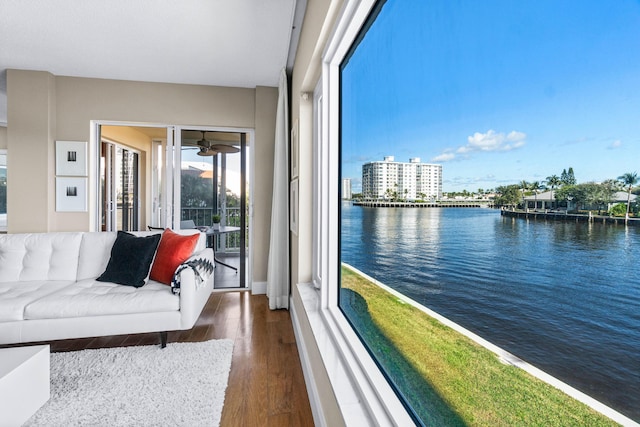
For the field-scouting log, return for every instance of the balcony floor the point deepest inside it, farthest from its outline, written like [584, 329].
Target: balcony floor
[225, 277]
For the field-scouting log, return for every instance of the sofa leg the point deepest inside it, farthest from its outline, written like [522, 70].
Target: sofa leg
[163, 339]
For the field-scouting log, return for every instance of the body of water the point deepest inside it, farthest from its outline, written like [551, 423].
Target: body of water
[563, 296]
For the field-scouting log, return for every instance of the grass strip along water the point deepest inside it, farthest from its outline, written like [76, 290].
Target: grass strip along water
[448, 378]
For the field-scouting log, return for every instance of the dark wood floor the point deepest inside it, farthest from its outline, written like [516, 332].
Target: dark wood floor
[266, 384]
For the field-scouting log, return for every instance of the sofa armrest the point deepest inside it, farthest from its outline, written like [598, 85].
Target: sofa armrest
[194, 279]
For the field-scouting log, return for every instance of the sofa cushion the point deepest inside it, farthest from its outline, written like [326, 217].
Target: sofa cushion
[95, 251]
[130, 260]
[94, 298]
[15, 296]
[202, 237]
[173, 250]
[39, 256]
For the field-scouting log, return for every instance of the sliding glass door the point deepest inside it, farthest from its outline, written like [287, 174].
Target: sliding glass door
[120, 187]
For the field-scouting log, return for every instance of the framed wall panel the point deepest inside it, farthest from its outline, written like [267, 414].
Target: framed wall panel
[71, 194]
[71, 158]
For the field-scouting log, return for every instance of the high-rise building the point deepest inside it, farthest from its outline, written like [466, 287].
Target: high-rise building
[346, 188]
[388, 179]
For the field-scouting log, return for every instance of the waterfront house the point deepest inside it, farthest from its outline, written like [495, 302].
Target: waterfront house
[546, 201]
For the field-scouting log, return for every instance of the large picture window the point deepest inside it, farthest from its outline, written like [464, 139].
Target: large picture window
[488, 158]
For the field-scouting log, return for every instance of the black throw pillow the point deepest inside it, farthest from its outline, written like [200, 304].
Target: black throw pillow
[131, 258]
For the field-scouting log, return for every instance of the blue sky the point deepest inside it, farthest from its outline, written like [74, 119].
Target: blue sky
[497, 91]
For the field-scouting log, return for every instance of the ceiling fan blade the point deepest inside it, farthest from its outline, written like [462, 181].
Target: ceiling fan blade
[223, 148]
[223, 143]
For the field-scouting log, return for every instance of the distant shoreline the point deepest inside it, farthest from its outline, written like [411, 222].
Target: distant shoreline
[529, 214]
[439, 204]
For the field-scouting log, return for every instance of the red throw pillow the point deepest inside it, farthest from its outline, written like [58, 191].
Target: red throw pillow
[173, 250]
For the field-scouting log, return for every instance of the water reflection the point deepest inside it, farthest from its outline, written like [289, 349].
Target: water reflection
[394, 242]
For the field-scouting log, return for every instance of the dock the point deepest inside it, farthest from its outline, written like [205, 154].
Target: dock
[564, 216]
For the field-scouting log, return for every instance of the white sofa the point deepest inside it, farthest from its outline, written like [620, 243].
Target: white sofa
[49, 291]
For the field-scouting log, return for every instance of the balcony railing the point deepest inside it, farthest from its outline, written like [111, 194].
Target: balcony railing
[202, 217]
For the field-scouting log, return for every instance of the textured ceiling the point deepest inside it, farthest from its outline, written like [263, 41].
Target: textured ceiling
[241, 43]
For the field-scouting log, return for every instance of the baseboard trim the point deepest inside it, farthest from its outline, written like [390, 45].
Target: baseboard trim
[259, 288]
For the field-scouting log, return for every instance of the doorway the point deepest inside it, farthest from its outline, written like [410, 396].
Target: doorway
[214, 195]
[173, 174]
[130, 185]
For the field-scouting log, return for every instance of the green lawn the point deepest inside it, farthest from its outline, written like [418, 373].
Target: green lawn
[451, 380]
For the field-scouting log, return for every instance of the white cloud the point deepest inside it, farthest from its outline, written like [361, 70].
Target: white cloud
[493, 141]
[615, 144]
[444, 157]
[488, 141]
[516, 136]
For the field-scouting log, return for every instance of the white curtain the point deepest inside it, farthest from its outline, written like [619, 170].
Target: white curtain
[278, 266]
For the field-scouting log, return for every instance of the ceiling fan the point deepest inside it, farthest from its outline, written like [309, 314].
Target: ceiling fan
[211, 148]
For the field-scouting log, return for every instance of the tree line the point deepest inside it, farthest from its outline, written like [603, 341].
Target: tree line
[565, 189]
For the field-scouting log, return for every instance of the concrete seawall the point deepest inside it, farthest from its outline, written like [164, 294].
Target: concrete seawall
[559, 216]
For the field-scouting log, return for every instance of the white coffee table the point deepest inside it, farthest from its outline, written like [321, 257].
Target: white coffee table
[24, 382]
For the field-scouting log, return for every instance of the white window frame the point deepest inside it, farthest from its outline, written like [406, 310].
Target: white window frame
[376, 395]
[3, 163]
[320, 182]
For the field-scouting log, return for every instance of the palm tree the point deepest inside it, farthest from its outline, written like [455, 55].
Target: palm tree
[525, 186]
[628, 179]
[553, 181]
[535, 186]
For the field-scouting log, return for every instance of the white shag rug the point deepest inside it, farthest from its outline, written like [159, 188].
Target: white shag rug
[181, 385]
